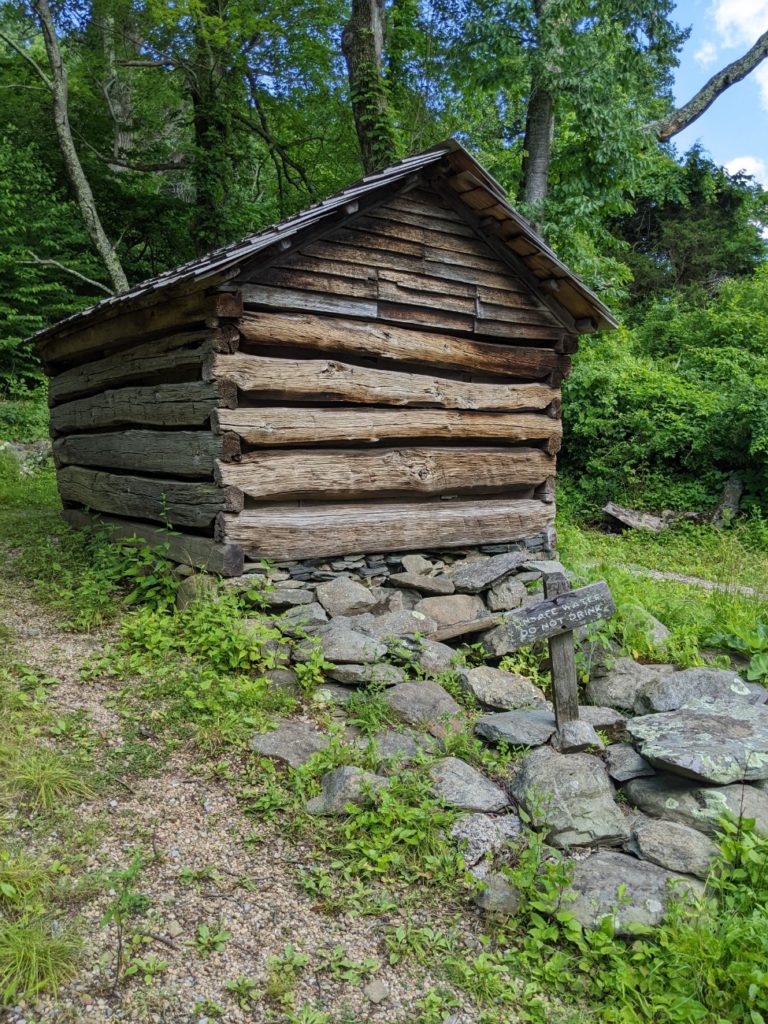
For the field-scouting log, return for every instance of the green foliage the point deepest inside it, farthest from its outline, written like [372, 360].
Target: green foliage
[210, 939]
[35, 955]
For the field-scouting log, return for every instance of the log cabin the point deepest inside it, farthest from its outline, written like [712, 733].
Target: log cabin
[380, 373]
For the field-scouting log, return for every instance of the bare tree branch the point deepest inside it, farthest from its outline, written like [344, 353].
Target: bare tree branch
[679, 119]
[30, 60]
[37, 261]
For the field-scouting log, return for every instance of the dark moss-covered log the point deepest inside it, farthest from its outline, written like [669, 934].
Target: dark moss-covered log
[188, 453]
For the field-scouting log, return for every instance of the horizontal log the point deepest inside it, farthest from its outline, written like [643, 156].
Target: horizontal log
[137, 325]
[187, 453]
[167, 355]
[203, 553]
[294, 298]
[181, 503]
[344, 474]
[319, 531]
[425, 348]
[329, 380]
[164, 405]
[275, 425]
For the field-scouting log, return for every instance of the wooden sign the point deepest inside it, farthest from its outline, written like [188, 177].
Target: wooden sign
[559, 614]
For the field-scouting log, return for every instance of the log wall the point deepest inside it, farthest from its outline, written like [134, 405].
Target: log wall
[392, 385]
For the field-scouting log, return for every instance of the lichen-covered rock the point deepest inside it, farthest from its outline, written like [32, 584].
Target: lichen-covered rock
[624, 763]
[505, 595]
[631, 892]
[503, 690]
[342, 787]
[451, 609]
[364, 675]
[570, 797]
[672, 691]
[343, 596]
[459, 785]
[701, 807]
[622, 684]
[342, 645]
[517, 728]
[672, 846]
[480, 836]
[424, 703]
[471, 577]
[292, 741]
[407, 622]
[721, 742]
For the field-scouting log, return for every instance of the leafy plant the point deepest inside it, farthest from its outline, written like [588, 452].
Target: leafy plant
[210, 940]
[147, 968]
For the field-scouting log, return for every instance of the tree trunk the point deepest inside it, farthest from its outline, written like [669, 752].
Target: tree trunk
[117, 93]
[539, 135]
[77, 179]
[362, 44]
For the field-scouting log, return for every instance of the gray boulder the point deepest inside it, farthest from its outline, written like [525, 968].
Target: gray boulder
[624, 763]
[284, 679]
[573, 737]
[407, 622]
[433, 657]
[631, 892]
[479, 836]
[342, 787]
[700, 807]
[306, 617]
[292, 741]
[402, 746]
[672, 846]
[505, 595]
[425, 584]
[343, 596]
[506, 691]
[471, 577]
[570, 797]
[459, 785]
[498, 895]
[454, 608]
[517, 728]
[672, 691]
[417, 564]
[611, 722]
[365, 675]
[198, 587]
[287, 597]
[721, 742]
[622, 684]
[422, 704]
[345, 646]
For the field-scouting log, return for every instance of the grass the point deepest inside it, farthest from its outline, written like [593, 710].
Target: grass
[36, 954]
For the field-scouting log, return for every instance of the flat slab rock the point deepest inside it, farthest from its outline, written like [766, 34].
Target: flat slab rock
[621, 686]
[424, 584]
[459, 785]
[506, 691]
[389, 744]
[472, 577]
[701, 807]
[422, 704]
[480, 836]
[720, 742]
[292, 741]
[631, 892]
[624, 763]
[672, 691]
[364, 675]
[343, 645]
[342, 787]
[343, 596]
[672, 846]
[452, 609]
[405, 622]
[570, 797]
[534, 728]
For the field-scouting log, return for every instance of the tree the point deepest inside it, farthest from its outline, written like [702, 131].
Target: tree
[362, 44]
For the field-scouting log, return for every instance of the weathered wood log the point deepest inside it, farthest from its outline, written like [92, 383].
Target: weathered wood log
[330, 380]
[344, 474]
[181, 503]
[562, 657]
[201, 552]
[187, 453]
[281, 531]
[398, 343]
[275, 425]
[165, 405]
[171, 354]
[120, 330]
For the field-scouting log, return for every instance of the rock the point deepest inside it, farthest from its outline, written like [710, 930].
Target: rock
[597, 657]
[174, 929]
[479, 836]
[284, 679]
[504, 690]
[376, 991]
[365, 675]
[631, 892]
[498, 895]
[346, 646]
[447, 611]
[620, 687]
[424, 703]
[472, 577]
[195, 588]
[570, 797]
[701, 807]
[433, 656]
[672, 846]
[307, 617]
[517, 728]
[546, 566]
[460, 785]
[394, 624]
[426, 584]
[573, 737]
[722, 742]
[417, 564]
[402, 746]
[505, 595]
[293, 742]
[342, 787]
[624, 763]
[283, 597]
[332, 693]
[659, 632]
[342, 596]
[671, 691]
[605, 719]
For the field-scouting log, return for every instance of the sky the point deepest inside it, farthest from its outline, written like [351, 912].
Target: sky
[735, 128]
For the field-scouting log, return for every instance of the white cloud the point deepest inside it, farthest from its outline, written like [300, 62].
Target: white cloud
[749, 165]
[740, 21]
[706, 54]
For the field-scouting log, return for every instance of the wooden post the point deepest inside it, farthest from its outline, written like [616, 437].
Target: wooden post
[562, 658]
